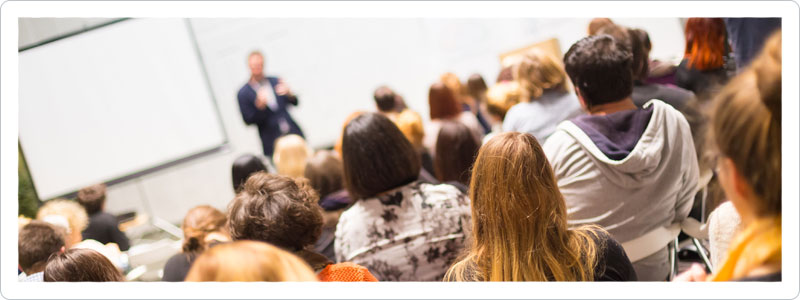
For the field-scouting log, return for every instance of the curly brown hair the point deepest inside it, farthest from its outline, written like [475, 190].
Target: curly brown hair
[276, 209]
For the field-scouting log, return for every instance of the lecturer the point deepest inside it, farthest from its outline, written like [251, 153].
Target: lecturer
[263, 101]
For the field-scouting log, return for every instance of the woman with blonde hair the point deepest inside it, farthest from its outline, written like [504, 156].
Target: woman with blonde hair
[746, 132]
[546, 100]
[519, 223]
[68, 214]
[202, 227]
[249, 261]
[291, 154]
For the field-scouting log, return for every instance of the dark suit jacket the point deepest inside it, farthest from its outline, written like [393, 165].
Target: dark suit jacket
[267, 120]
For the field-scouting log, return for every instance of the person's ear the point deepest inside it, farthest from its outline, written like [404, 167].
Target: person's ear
[737, 180]
[62, 250]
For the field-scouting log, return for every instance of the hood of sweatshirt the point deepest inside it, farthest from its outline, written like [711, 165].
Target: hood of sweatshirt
[627, 146]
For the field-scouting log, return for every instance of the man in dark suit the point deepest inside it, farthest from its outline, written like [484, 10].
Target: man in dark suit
[263, 101]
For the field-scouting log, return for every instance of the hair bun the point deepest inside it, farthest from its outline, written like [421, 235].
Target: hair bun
[767, 68]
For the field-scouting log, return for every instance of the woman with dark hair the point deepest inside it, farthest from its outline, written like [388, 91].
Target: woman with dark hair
[399, 228]
[461, 147]
[243, 166]
[643, 91]
[325, 172]
[519, 224]
[445, 106]
[80, 265]
[202, 227]
[702, 69]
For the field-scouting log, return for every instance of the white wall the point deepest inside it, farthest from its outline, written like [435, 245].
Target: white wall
[334, 65]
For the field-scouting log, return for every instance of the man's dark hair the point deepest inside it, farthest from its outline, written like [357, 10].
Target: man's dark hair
[276, 209]
[92, 198]
[37, 241]
[377, 156]
[385, 99]
[600, 68]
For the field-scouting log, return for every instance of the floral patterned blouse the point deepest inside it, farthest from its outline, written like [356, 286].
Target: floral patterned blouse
[411, 233]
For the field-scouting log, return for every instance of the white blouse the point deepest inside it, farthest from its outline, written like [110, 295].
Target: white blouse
[411, 233]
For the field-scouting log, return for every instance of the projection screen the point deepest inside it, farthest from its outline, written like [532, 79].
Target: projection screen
[113, 103]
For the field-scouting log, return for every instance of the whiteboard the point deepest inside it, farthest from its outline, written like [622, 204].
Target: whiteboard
[112, 102]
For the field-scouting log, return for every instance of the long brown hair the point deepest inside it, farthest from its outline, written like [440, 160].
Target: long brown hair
[443, 102]
[746, 126]
[519, 219]
[199, 222]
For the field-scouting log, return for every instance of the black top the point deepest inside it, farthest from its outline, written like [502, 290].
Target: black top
[104, 228]
[177, 267]
[612, 262]
[701, 83]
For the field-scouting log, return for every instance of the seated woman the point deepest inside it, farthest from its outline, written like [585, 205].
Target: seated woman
[284, 212]
[249, 261]
[746, 129]
[546, 101]
[202, 227]
[702, 69]
[399, 228]
[519, 229]
[444, 106]
[80, 265]
[461, 147]
[291, 153]
[324, 171]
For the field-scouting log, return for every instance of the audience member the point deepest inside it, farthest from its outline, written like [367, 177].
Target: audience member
[103, 227]
[81, 265]
[462, 95]
[461, 147]
[202, 227]
[444, 106]
[264, 101]
[476, 89]
[67, 214]
[388, 102]
[545, 98]
[399, 228]
[410, 124]
[338, 146]
[500, 98]
[597, 23]
[291, 153]
[249, 261]
[643, 91]
[505, 74]
[281, 211]
[37, 241]
[243, 167]
[746, 130]
[702, 69]
[325, 173]
[630, 170]
[520, 223]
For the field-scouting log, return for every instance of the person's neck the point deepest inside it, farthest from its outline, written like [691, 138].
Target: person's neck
[36, 268]
[610, 108]
[256, 79]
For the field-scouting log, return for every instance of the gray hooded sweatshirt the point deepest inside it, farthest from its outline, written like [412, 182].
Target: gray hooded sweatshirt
[633, 173]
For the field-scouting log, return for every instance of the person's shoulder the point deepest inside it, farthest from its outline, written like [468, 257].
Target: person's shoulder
[104, 218]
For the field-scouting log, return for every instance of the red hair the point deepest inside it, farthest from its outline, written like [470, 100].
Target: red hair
[442, 101]
[705, 43]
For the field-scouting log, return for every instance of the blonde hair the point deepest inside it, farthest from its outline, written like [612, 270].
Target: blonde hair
[519, 219]
[71, 210]
[501, 97]
[452, 82]
[539, 71]
[746, 126]
[249, 261]
[410, 124]
[291, 153]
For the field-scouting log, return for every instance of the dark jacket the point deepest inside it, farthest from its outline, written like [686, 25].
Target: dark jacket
[267, 120]
[104, 228]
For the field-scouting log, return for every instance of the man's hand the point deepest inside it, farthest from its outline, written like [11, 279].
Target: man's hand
[695, 273]
[261, 99]
[282, 89]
